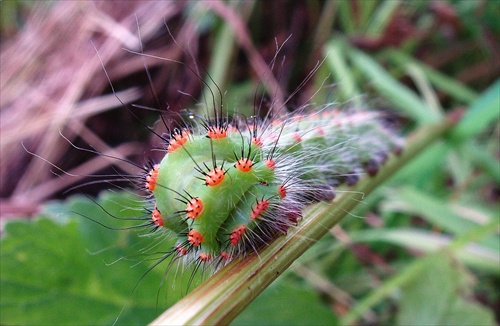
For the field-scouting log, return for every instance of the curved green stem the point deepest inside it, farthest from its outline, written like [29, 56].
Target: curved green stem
[224, 295]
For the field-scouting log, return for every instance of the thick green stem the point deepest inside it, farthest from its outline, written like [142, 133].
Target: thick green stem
[223, 296]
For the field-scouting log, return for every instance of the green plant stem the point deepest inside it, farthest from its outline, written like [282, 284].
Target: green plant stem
[224, 295]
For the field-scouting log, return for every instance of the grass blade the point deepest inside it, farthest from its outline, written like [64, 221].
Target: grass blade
[400, 96]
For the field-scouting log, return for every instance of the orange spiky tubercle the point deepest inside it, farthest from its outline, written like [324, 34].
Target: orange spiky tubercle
[151, 177]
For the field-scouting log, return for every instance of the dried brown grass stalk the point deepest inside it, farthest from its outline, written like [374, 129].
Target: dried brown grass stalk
[51, 84]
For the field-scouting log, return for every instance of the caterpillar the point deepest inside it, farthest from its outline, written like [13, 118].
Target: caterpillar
[227, 186]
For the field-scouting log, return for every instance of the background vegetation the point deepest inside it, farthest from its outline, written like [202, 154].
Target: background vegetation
[421, 249]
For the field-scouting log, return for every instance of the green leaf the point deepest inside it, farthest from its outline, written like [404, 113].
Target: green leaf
[346, 17]
[63, 269]
[341, 72]
[479, 155]
[400, 96]
[432, 288]
[483, 111]
[475, 255]
[437, 212]
[285, 303]
[433, 298]
[426, 168]
[442, 82]
[381, 17]
[427, 297]
[468, 313]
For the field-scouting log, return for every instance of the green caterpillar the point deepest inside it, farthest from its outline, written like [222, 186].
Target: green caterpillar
[228, 187]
